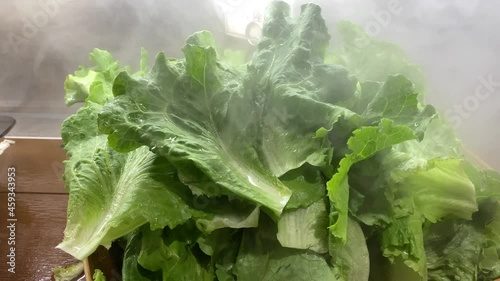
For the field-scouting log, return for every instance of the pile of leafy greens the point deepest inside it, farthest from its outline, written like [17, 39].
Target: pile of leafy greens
[284, 168]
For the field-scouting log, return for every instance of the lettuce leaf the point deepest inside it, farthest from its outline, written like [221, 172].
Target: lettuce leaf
[403, 238]
[371, 59]
[178, 111]
[305, 228]
[364, 143]
[94, 84]
[453, 251]
[352, 260]
[261, 257]
[111, 194]
[241, 131]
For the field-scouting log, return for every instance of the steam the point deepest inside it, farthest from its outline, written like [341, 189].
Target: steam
[454, 41]
[33, 71]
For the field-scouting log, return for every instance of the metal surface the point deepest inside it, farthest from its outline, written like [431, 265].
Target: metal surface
[6, 124]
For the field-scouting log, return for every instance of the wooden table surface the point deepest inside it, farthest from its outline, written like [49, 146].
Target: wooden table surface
[41, 202]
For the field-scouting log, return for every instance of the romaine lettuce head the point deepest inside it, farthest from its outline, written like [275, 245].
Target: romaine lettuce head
[285, 168]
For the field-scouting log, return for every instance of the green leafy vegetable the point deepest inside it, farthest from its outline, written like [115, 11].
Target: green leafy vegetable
[371, 59]
[284, 167]
[352, 260]
[453, 251]
[99, 276]
[305, 228]
[364, 143]
[111, 194]
[403, 238]
[95, 84]
[262, 257]
[182, 121]
[68, 273]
